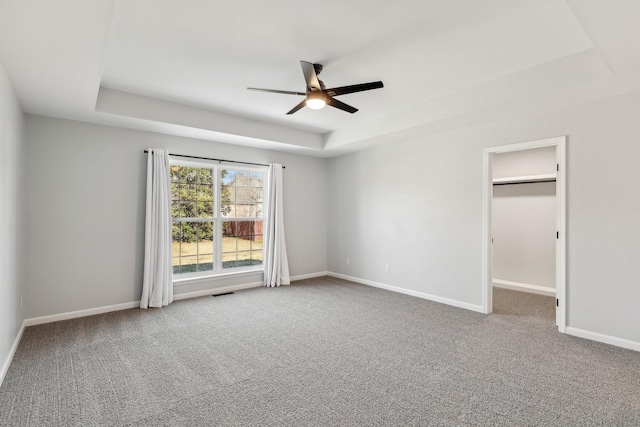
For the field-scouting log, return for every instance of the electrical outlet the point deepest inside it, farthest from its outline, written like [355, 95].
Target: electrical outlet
[348, 261]
[387, 268]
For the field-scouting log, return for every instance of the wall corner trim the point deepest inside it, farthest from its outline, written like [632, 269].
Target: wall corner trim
[435, 298]
[607, 339]
[12, 352]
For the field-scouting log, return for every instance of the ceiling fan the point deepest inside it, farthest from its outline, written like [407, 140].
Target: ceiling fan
[317, 95]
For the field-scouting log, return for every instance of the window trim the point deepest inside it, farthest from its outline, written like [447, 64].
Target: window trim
[181, 281]
[217, 219]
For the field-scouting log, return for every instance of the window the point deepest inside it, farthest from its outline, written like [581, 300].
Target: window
[217, 218]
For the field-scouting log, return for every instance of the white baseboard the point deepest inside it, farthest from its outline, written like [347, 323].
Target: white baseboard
[135, 304]
[80, 313]
[524, 287]
[607, 339]
[422, 295]
[309, 276]
[215, 291]
[12, 352]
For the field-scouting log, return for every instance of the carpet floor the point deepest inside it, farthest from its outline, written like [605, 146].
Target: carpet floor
[320, 352]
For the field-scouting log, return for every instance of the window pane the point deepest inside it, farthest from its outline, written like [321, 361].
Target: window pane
[227, 194]
[188, 192]
[258, 210]
[205, 242]
[189, 264]
[205, 263]
[256, 257]
[183, 174]
[229, 264]
[204, 194]
[244, 259]
[241, 210]
[205, 176]
[203, 246]
[242, 243]
[189, 232]
[205, 209]
[227, 176]
[187, 204]
[256, 244]
[243, 178]
[175, 194]
[192, 247]
[192, 192]
[257, 232]
[189, 174]
[176, 232]
[257, 179]
[229, 244]
[242, 195]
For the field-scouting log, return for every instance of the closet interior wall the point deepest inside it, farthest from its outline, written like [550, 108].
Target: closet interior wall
[524, 220]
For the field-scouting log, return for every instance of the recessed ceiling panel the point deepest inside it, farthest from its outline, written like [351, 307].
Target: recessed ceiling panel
[205, 54]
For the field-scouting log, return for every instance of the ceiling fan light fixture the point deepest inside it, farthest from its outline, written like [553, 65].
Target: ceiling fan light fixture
[316, 100]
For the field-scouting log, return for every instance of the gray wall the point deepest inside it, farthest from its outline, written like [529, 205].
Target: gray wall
[417, 206]
[524, 219]
[535, 161]
[11, 230]
[85, 212]
[524, 233]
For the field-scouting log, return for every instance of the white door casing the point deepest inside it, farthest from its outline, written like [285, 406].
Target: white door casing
[560, 144]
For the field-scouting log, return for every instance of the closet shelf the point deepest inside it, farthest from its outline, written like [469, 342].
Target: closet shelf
[550, 177]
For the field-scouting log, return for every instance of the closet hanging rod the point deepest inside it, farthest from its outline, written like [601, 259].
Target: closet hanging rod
[217, 160]
[524, 182]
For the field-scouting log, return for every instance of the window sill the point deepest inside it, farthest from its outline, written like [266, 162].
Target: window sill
[217, 276]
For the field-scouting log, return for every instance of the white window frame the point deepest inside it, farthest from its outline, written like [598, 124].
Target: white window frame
[218, 219]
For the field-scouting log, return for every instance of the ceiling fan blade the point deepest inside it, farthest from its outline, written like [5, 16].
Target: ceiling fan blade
[341, 105]
[343, 90]
[285, 92]
[310, 76]
[297, 107]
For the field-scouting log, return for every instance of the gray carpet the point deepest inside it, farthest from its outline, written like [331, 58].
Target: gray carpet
[514, 303]
[320, 352]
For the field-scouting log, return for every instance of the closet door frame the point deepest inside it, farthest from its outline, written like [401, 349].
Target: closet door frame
[487, 279]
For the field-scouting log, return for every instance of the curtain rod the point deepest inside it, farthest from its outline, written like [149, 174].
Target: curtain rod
[218, 160]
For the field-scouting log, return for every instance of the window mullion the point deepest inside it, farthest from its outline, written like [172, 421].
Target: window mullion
[217, 241]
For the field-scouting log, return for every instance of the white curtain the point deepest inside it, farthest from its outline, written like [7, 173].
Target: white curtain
[157, 285]
[276, 268]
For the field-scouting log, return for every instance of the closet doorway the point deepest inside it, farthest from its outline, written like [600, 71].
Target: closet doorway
[524, 221]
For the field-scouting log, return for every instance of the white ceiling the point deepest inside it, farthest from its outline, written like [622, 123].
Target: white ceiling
[182, 67]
